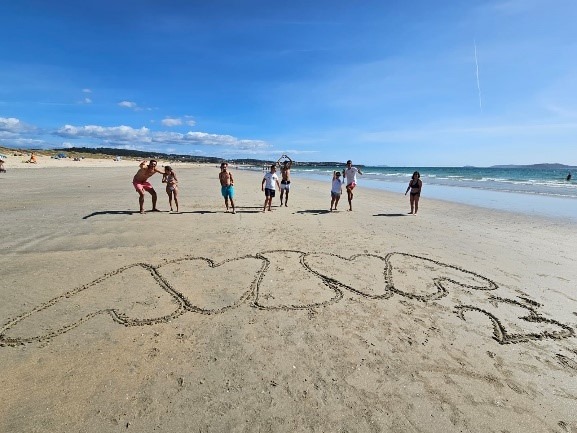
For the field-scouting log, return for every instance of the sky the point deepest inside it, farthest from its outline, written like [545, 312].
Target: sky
[398, 83]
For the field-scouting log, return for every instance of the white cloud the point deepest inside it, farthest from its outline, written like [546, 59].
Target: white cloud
[126, 135]
[9, 124]
[87, 101]
[128, 104]
[86, 91]
[171, 122]
[119, 134]
[177, 121]
[13, 125]
[222, 140]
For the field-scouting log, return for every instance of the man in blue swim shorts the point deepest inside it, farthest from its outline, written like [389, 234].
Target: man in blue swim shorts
[226, 185]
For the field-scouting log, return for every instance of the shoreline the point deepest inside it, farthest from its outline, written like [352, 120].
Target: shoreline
[563, 208]
[557, 208]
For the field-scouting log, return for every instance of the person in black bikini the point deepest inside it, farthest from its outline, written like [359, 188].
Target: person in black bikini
[415, 185]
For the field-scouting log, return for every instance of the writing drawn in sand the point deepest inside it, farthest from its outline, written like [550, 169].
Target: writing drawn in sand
[143, 294]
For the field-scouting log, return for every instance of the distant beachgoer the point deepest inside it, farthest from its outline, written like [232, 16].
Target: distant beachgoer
[141, 184]
[169, 178]
[285, 183]
[569, 177]
[268, 186]
[2, 169]
[226, 185]
[415, 185]
[32, 159]
[336, 189]
[350, 174]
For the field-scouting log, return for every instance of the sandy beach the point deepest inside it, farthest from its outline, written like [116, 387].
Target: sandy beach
[460, 319]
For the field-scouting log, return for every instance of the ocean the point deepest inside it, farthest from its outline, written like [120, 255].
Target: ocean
[543, 191]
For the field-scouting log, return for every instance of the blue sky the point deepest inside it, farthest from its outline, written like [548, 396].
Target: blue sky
[378, 82]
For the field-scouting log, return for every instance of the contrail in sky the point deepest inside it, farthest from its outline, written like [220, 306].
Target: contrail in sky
[478, 82]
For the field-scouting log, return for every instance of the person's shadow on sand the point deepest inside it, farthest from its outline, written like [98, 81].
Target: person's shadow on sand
[313, 211]
[390, 214]
[110, 212]
[132, 212]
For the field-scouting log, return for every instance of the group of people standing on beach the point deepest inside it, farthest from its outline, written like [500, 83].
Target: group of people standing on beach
[269, 184]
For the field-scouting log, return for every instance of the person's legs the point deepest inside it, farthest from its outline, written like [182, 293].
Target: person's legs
[350, 197]
[337, 198]
[282, 194]
[332, 201]
[169, 194]
[416, 203]
[285, 198]
[412, 201]
[232, 204]
[175, 198]
[141, 201]
[154, 198]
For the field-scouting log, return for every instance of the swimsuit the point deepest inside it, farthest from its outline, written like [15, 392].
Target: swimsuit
[285, 185]
[139, 186]
[170, 182]
[227, 191]
[414, 186]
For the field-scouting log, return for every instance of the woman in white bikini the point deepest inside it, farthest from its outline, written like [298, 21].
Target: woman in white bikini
[169, 178]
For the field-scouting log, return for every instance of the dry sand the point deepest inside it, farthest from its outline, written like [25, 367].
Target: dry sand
[460, 319]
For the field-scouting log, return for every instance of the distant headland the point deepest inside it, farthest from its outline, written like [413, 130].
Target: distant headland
[538, 166]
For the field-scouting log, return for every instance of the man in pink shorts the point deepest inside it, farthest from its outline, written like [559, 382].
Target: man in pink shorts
[350, 175]
[141, 183]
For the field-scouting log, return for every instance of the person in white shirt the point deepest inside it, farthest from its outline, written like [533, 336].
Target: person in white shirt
[268, 186]
[350, 175]
[336, 190]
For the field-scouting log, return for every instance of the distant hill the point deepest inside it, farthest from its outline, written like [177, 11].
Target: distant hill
[182, 158]
[542, 165]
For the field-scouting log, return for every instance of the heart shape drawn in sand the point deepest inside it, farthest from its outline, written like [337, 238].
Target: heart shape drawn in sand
[426, 279]
[207, 287]
[363, 274]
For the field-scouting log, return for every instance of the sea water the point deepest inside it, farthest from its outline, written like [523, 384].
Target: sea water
[543, 191]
